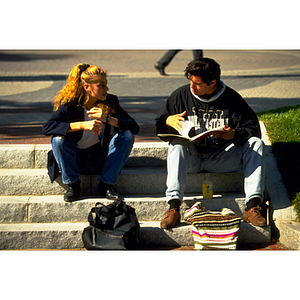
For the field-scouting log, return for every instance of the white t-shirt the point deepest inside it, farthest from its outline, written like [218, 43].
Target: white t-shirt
[89, 138]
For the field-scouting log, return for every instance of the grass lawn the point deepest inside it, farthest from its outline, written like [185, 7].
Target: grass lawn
[283, 127]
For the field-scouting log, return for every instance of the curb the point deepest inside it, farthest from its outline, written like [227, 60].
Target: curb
[283, 213]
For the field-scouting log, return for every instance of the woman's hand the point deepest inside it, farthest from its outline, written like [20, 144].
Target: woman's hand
[97, 113]
[175, 121]
[94, 125]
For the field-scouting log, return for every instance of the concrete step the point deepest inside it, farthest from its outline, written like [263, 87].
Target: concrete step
[68, 235]
[52, 209]
[33, 156]
[34, 215]
[47, 222]
[134, 181]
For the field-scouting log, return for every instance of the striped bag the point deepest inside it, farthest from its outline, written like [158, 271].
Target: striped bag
[213, 230]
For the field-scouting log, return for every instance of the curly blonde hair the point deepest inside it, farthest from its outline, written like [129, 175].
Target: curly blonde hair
[73, 91]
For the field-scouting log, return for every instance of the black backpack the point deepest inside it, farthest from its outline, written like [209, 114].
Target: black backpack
[113, 226]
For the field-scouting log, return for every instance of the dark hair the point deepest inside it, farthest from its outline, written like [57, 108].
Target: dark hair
[206, 68]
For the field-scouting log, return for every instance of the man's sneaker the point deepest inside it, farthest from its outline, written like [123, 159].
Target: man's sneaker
[171, 219]
[254, 217]
[73, 191]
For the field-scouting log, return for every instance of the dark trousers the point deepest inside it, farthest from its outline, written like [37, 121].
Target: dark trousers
[170, 54]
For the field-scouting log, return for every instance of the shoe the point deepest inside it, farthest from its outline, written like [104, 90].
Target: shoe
[254, 217]
[73, 191]
[160, 69]
[171, 219]
[111, 194]
[107, 190]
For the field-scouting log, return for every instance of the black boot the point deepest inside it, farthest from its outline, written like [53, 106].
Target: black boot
[73, 191]
[107, 190]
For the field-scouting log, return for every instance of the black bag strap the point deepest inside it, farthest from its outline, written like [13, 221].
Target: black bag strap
[92, 215]
[98, 203]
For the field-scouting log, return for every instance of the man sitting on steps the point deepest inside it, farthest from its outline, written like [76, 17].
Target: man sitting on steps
[208, 103]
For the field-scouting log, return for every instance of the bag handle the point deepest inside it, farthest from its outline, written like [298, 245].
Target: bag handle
[117, 207]
[92, 215]
[93, 208]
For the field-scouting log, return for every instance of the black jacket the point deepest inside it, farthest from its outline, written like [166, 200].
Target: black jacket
[227, 107]
[59, 123]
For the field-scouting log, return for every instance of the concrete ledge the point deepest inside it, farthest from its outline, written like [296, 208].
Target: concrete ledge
[52, 209]
[289, 234]
[17, 156]
[148, 155]
[134, 181]
[41, 236]
[14, 209]
[68, 235]
[35, 156]
[30, 156]
[33, 182]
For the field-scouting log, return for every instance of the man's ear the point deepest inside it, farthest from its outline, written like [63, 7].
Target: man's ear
[213, 82]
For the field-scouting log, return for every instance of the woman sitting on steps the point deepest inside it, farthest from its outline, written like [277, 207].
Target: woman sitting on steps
[91, 132]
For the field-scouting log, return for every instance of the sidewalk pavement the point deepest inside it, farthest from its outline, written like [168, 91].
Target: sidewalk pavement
[29, 79]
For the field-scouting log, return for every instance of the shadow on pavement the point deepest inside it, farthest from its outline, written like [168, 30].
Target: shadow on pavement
[29, 56]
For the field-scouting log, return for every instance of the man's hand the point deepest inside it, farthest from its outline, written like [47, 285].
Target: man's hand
[97, 113]
[175, 121]
[227, 134]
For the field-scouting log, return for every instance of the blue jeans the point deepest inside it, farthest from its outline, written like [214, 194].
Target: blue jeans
[94, 160]
[250, 158]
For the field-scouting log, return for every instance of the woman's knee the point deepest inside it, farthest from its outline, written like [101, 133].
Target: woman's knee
[127, 136]
[61, 141]
[63, 145]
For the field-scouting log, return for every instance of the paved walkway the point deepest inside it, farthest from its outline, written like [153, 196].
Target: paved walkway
[30, 79]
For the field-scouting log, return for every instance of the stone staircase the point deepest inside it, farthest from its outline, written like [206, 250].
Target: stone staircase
[33, 214]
